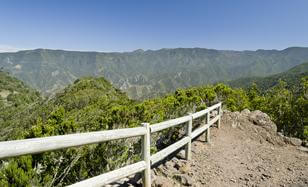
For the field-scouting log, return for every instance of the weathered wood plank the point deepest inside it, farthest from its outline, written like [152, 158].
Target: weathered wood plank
[203, 112]
[207, 122]
[188, 134]
[38, 145]
[201, 129]
[112, 176]
[170, 123]
[146, 154]
[219, 113]
[208, 138]
[168, 150]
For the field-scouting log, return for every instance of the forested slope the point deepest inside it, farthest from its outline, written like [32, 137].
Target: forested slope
[143, 74]
[16, 102]
[292, 77]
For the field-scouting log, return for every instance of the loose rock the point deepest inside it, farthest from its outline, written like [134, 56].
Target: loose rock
[184, 179]
[293, 141]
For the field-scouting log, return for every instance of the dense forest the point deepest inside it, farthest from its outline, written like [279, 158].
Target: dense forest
[92, 104]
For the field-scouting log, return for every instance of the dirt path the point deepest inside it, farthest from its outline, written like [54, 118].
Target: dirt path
[240, 154]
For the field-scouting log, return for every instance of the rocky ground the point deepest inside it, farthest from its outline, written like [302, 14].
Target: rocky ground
[245, 151]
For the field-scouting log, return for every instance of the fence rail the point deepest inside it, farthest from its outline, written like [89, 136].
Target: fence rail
[39, 145]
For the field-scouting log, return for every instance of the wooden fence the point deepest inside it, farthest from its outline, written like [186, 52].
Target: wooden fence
[39, 145]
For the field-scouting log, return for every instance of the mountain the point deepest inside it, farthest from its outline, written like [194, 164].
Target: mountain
[147, 73]
[93, 104]
[292, 77]
[16, 100]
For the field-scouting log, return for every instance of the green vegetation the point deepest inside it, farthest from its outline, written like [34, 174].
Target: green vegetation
[16, 101]
[292, 77]
[283, 96]
[286, 108]
[88, 105]
[92, 104]
[143, 74]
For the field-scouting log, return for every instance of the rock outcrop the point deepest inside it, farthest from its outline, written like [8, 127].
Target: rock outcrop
[262, 119]
[293, 141]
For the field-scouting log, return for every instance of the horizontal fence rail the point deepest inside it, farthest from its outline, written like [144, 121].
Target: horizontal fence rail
[170, 123]
[112, 176]
[205, 111]
[39, 145]
[168, 150]
[201, 129]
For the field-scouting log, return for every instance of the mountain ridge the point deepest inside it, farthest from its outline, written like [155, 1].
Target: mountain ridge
[143, 74]
[146, 50]
[292, 77]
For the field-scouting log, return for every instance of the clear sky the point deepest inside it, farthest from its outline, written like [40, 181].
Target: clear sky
[126, 25]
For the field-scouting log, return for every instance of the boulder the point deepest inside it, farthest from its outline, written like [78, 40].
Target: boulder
[261, 119]
[296, 141]
[293, 141]
[245, 112]
[304, 149]
[280, 134]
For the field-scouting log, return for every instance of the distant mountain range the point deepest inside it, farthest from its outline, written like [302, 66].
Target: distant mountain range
[292, 77]
[147, 73]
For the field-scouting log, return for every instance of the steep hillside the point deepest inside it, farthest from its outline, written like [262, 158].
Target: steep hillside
[16, 101]
[89, 104]
[147, 73]
[292, 77]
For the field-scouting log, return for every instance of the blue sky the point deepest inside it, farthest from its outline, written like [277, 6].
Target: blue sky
[114, 25]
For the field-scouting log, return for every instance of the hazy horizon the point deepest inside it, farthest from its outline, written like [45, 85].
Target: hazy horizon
[121, 26]
[19, 50]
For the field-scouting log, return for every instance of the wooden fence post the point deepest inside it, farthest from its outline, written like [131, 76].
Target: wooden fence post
[219, 113]
[188, 134]
[207, 133]
[146, 155]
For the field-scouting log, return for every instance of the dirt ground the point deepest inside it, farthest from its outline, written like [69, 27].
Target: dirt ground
[239, 154]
